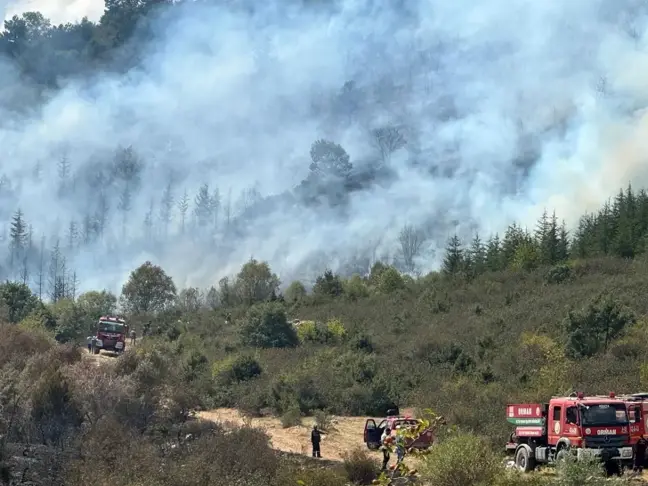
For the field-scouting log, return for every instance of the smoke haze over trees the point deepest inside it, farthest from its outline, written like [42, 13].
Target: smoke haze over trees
[307, 134]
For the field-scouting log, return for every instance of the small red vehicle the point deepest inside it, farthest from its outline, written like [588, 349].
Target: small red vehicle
[373, 432]
[111, 334]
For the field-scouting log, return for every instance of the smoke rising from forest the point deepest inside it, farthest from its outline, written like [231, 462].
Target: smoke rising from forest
[456, 117]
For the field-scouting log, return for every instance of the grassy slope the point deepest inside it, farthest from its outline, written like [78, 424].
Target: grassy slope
[450, 345]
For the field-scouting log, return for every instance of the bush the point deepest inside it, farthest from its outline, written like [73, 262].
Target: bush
[292, 417]
[266, 326]
[390, 280]
[242, 368]
[360, 467]
[573, 472]
[307, 332]
[323, 420]
[335, 330]
[295, 292]
[315, 477]
[461, 459]
[593, 329]
[355, 288]
[328, 285]
[559, 274]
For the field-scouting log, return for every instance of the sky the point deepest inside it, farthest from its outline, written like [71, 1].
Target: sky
[507, 108]
[59, 11]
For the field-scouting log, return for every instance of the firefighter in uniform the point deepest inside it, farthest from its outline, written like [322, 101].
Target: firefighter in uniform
[133, 337]
[316, 437]
[639, 454]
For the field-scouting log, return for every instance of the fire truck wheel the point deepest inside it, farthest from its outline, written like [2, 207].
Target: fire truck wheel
[523, 459]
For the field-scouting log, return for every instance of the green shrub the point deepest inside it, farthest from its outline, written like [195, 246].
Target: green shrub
[559, 274]
[355, 288]
[573, 472]
[328, 285]
[461, 459]
[266, 326]
[360, 467]
[390, 280]
[235, 370]
[335, 330]
[307, 332]
[295, 292]
[311, 477]
[292, 417]
[323, 420]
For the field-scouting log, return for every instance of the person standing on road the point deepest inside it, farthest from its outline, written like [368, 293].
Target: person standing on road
[93, 344]
[89, 343]
[639, 454]
[316, 438]
[385, 439]
[133, 337]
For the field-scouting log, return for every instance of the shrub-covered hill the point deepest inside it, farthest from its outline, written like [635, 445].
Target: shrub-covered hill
[521, 320]
[462, 348]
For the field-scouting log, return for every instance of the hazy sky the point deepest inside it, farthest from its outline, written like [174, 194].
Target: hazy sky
[58, 11]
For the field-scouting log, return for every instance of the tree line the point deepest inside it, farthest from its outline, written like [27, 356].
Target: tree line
[619, 229]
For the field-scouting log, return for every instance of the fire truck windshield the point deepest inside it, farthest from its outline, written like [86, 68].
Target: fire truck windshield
[603, 414]
[110, 327]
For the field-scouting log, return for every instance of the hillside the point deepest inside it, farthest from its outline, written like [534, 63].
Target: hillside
[463, 341]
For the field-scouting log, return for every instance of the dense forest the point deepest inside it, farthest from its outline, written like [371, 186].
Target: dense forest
[179, 129]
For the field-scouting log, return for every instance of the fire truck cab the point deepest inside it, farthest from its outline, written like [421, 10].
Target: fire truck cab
[111, 334]
[580, 425]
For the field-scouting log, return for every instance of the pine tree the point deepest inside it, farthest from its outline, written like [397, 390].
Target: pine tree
[477, 256]
[125, 205]
[203, 209]
[17, 238]
[148, 223]
[453, 262]
[562, 248]
[215, 203]
[72, 236]
[166, 206]
[513, 238]
[183, 206]
[64, 169]
[101, 216]
[57, 274]
[71, 286]
[41, 268]
[88, 229]
[494, 254]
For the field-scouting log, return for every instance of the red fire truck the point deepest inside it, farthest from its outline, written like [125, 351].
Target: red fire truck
[111, 334]
[580, 425]
[637, 406]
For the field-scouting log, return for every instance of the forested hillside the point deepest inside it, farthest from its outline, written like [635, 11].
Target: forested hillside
[173, 130]
[463, 341]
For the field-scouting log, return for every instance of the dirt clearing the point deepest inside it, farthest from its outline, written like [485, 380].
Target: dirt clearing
[345, 435]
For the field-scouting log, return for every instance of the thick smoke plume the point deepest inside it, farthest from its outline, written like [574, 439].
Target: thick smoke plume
[456, 116]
